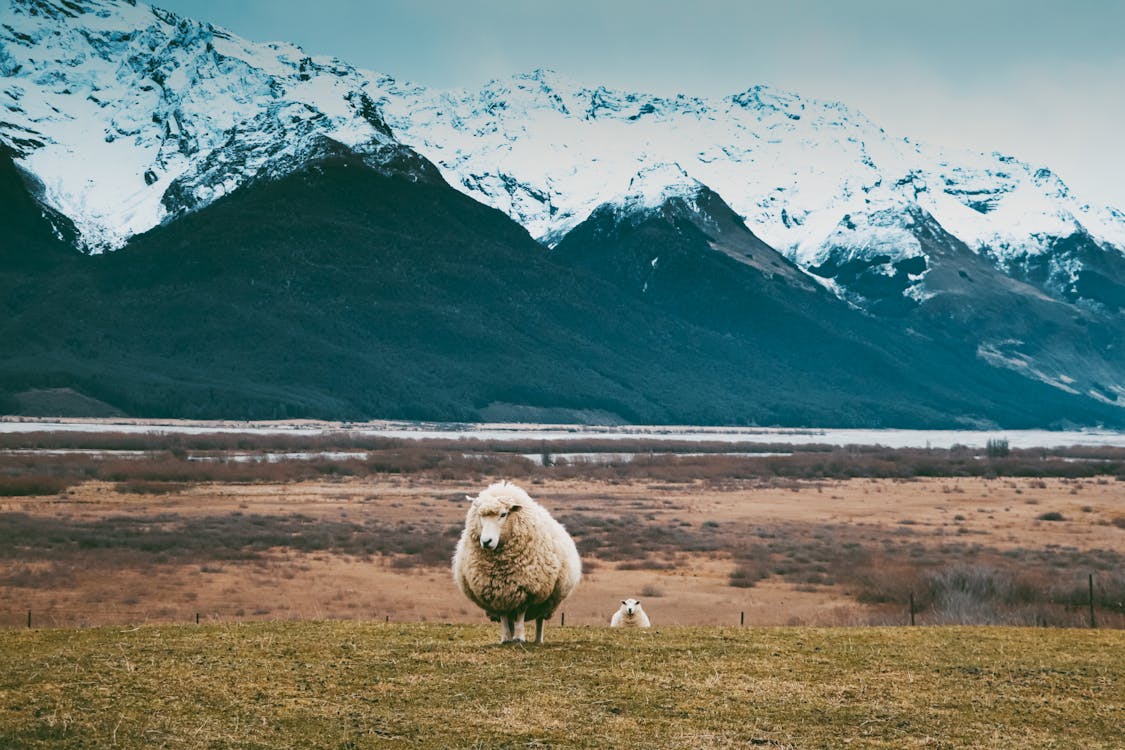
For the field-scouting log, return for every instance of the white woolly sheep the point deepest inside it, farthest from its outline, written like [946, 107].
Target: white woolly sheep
[630, 615]
[514, 560]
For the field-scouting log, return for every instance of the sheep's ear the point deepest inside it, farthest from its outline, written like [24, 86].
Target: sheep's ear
[514, 508]
[622, 601]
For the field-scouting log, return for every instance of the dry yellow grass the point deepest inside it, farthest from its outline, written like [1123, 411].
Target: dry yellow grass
[360, 685]
[69, 585]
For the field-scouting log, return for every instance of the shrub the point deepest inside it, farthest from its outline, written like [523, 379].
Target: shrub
[646, 563]
[747, 574]
[997, 448]
[33, 485]
[1052, 515]
[883, 581]
[145, 487]
[965, 595]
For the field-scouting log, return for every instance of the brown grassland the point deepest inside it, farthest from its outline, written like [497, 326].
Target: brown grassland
[168, 532]
[328, 618]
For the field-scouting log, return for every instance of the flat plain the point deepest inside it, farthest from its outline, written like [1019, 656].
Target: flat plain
[376, 547]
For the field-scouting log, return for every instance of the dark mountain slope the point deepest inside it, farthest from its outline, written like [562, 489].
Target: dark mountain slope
[1031, 327]
[341, 292]
[694, 257]
[31, 238]
[33, 248]
[336, 291]
[1078, 269]
[344, 292]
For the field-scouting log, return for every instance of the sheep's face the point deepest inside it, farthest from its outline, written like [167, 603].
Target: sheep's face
[494, 515]
[630, 606]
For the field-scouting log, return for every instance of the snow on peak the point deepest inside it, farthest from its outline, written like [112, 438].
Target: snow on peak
[885, 232]
[654, 185]
[547, 151]
[125, 112]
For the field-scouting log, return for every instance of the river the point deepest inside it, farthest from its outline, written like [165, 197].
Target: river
[891, 438]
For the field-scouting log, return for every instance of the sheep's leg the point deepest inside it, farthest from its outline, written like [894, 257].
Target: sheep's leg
[518, 630]
[538, 629]
[505, 629]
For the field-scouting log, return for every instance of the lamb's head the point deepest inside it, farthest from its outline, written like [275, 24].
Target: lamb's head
[492, 512]
[630, 606]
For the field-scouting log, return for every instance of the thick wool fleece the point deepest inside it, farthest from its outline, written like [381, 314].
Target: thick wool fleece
[622, 619]
[533, 570]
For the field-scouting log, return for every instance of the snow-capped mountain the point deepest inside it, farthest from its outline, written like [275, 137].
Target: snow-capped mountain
[664, 205]
[715, 225]
[656, 184]
[127, 115]
[545, 150]
[675, 242]
[898, 228]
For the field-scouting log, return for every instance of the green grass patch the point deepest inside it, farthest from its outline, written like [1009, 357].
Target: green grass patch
[361, 685]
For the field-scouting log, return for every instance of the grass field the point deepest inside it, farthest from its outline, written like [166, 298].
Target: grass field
[360, 685]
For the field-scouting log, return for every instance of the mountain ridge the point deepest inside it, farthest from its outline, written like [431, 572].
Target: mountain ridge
[788, 246]
[780, 160]
[357, 294]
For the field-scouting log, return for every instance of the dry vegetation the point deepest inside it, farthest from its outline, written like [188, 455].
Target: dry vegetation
[370, 685]
[103, 528]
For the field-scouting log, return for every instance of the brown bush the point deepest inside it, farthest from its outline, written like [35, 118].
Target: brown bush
[187, 458]
[34, 485]
[122, 539]
[747, 574]
[143, 487]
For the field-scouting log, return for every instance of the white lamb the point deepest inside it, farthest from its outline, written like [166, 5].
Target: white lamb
[514, 560]
[630, 615]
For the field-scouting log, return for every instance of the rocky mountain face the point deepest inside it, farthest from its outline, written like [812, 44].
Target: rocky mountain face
[545, 150]
[128, 116]
[904, 231]
[787, 254]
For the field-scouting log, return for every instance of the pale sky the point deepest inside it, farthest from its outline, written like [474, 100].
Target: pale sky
[1041, 80]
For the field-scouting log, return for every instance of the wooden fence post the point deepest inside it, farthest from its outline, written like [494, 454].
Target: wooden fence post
[911, 607]
[742, 619]
[1093, 624]
[29, 618]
